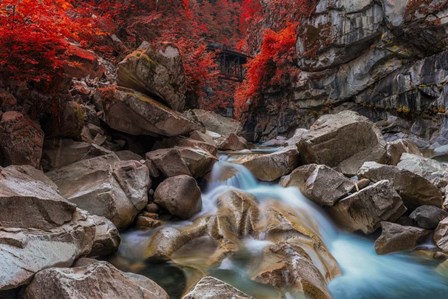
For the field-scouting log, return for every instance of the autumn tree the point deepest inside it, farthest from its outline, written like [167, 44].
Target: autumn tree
[35, 36]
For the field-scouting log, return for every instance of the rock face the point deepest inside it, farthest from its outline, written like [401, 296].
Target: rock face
[395, 237]
[414, 189]
[428, 216]
[344, 141]
[94, 280]
[366, 209]
[134, 113]
[319, 183]
[180, 196]
[39, 229]
[155, 72]
[270, 167]
[21, 140]
[105, 186]
[370, 56]
[210, 288]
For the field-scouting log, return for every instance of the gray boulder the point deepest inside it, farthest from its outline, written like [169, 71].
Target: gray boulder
[344, 141]
[365, 210]
[105, 186]
[395, 237]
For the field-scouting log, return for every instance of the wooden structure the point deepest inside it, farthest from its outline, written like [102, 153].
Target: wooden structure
[231, 62]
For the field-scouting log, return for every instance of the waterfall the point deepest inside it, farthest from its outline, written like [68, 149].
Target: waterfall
[364, 273]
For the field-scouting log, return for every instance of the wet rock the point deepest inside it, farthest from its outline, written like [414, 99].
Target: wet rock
[344, 141]
[270, 167]
[62, 152]
[204, 137]
[180, 196]
[21, 140]
[414, 189]
[94, 280]
[395, 237]
[184, 142]
[396, 148]
[210, 288]
[319, 183]
[129, 156]
[214, 122]
[134, 113]
[428, 216]
[170, 162]
[287, 267]
[366, 209]
[441, 235]
[155, 72]
[148, 220]
[233, 143]
[105, 186]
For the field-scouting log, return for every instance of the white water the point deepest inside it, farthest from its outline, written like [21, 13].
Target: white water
[365, 275]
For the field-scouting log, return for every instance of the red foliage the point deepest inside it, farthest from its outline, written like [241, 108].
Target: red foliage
[269, 67]
[34, 37]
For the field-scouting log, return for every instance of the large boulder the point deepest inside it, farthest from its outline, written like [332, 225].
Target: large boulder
[366, 209]
[40, 229]
[395, 237]
[344, 140]
[270, 167]
[320, 183]
[21, 140]
[96, 279]
[105, 186]
[180, 160]
[180, 196]
[211, 288]
[428, 216]
[425, 167]
[28, 199]
[134, 113]
[413, 188]
[156, 72]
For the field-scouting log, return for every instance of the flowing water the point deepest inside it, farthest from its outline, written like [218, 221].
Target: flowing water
[364, 275]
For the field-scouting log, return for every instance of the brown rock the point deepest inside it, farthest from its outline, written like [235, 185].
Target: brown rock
[344, 140]
[414, 189]
[395, 149]
[181, 160]
[319, 183]
[441, 235]
[233, 142]
[21, 140]
[95, 280]
[180, 196]
[366, 209]
[270, 167]
[212, 288]
[395, 237]
[134, 113]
